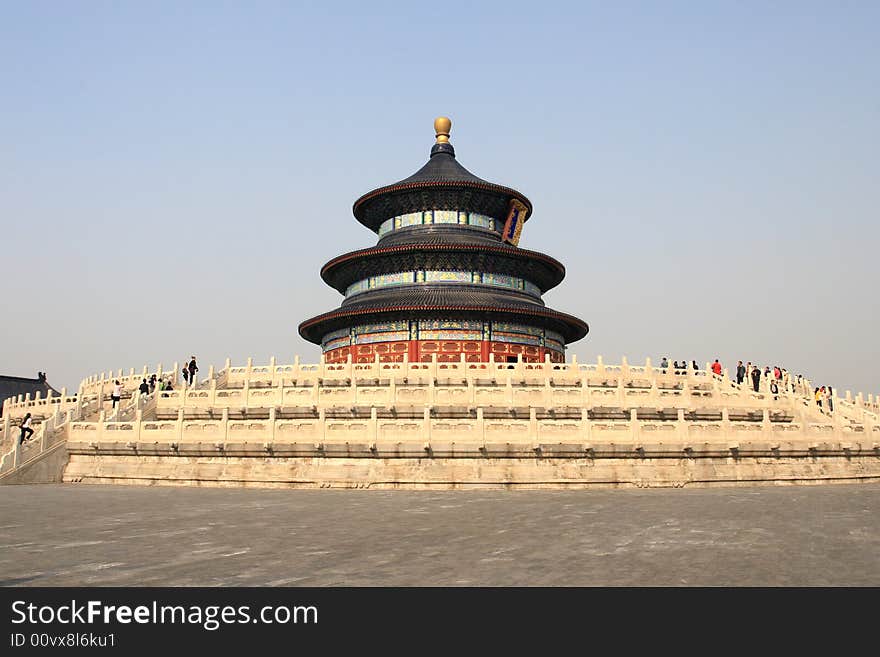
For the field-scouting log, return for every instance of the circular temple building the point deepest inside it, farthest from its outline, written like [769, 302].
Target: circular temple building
[446, 278]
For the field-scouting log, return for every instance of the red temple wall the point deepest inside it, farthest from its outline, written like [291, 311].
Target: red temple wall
[474, 351]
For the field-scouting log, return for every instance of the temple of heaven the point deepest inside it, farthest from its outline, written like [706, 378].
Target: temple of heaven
[446, 278]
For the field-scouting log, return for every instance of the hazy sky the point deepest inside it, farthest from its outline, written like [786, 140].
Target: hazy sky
[173, 175]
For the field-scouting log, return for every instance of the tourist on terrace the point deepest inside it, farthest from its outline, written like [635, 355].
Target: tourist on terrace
[756, 378]
[740, 372]
[185, 372]
[829, 397]
[716, 368]
[152, 382]
[818, 396]
[694, 364]
[116, 395]
[26, 429]
[663, 365]
[144, 388]
[193, 368]
[774, 389]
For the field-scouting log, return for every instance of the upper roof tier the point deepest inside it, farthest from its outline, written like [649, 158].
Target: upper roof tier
[442, 184]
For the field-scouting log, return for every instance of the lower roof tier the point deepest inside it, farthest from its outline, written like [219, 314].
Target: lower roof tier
[419, 304]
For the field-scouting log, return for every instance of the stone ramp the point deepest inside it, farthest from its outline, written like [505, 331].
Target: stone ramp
[46, 467]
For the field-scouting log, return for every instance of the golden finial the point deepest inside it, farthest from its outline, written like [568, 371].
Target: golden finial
[441, 127]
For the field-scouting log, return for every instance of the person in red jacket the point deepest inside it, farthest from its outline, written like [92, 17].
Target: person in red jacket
[716, 367]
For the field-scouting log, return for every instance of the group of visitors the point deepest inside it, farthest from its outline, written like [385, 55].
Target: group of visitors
[778, 378]
[189, 372]
[148, 386]
[773, 379]
[825, 395]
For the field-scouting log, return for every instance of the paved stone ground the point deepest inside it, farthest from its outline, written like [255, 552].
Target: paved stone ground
[68, 535]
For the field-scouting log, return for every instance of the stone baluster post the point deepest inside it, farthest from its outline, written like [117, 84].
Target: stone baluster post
[16, 454]
[79, 401]
[837, 421]
[426, 424]
[586, 428]
[726, 429]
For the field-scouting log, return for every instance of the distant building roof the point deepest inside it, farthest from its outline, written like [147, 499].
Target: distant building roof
[12, 386]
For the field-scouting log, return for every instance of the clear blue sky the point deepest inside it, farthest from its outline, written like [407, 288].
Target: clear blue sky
[173, 175]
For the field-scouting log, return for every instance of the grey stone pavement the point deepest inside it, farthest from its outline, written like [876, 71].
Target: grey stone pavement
[77, 535]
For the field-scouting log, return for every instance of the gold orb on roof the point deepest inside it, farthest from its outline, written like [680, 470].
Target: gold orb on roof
[442, 125]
